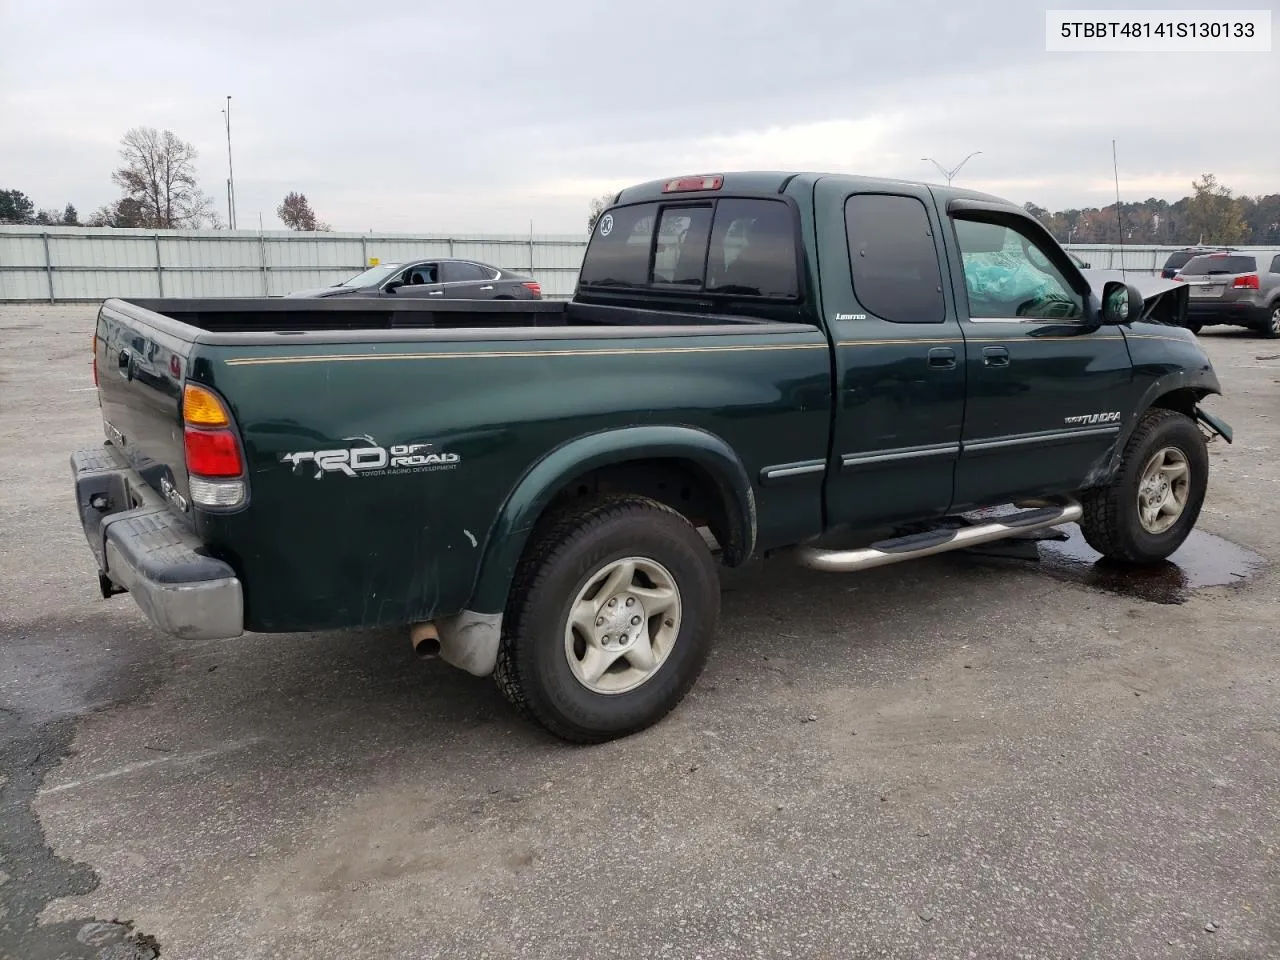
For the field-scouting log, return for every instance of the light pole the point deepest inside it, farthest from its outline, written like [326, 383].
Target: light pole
[231, 177]
[950, 174]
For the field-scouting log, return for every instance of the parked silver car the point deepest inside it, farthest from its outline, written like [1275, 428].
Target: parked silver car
[1241, 288]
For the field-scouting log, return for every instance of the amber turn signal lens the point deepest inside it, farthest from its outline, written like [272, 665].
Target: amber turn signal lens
[202, 409]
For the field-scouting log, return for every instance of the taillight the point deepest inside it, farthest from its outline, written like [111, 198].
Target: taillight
[535, 287]
[212, 453]
[212, 450]
[1248, 282]
[95, 359]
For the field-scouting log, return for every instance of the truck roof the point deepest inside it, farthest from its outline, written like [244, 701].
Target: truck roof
[776, 181]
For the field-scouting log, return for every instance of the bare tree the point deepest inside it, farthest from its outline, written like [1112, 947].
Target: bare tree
[598, 206]
[159, 177]
[296, 214]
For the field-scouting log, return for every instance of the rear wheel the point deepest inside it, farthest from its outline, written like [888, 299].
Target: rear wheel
[1154, 500]
[610, 620]
[1270, 326]
[1195, 326]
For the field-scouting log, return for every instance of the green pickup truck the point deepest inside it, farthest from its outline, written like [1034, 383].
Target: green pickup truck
[835, 368]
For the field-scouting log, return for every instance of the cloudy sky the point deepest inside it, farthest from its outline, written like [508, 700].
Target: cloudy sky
[482, 117]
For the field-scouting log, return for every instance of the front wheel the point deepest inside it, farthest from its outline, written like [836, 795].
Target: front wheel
[610, 620]
[1154, 500]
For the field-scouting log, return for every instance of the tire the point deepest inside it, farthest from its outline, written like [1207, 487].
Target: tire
[1195, 326]
[1270, 325]
[546, 666]
[1113, 523]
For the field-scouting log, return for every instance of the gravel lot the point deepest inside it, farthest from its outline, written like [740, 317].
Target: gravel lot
[958, 757]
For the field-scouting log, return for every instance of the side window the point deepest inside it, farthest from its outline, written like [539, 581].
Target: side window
[1008, 276]
[462, 272]
[681, 248]
[420, 273]
[893, 258]
[618, 254]
[1275, 264]
[753, 250]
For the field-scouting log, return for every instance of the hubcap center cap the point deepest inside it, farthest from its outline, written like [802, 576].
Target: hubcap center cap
[620, 622]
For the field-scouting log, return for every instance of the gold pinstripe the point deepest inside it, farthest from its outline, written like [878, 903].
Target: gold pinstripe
[664, 351]
[469, 355]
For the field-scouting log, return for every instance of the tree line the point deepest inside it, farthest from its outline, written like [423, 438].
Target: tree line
[159, 190]
[1209, 215]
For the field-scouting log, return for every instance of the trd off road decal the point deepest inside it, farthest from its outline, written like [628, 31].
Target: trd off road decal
[373, 460]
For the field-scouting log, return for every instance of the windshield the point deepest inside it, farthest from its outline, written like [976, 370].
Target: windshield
[372, 276]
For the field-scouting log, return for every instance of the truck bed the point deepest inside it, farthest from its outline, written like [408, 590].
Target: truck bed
[273, 315]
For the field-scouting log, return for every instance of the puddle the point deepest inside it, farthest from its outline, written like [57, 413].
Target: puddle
[1204, 560]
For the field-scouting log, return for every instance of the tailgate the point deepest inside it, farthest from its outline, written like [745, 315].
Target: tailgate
[140, 369]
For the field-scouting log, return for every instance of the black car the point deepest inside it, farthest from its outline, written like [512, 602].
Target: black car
[1179, 259]
[447, 278]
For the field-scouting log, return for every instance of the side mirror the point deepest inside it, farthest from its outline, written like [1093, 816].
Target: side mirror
[391, 287]
[1121, 303]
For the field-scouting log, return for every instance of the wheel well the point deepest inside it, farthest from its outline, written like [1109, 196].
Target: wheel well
[682, 485]
[1183, 400]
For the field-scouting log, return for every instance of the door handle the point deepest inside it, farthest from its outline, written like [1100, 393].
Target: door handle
[995, 356]
[942, 358]
[488, 287]
[435, 293]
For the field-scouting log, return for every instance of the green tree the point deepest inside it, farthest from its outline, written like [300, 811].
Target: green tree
[70, 218]
[1213, 215]
[16, 207]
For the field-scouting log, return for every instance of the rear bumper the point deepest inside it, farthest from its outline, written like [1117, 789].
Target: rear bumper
[143, 548]
[1237, 312]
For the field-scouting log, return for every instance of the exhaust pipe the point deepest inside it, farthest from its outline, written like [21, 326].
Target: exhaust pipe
[426, 640]
[939, 541]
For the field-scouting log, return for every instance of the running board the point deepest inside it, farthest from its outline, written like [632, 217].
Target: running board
[937, 541]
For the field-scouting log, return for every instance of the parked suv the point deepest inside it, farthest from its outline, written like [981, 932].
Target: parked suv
[1242, 289]
[1179, 259]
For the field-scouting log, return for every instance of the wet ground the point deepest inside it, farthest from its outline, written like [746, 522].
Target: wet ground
[967, 756]
[1205, 560]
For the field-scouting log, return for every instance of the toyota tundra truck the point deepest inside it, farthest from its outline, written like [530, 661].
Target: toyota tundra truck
[835, 369]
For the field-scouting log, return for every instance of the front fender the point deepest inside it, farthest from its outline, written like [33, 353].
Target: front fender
[538, 486]
[1170, 370]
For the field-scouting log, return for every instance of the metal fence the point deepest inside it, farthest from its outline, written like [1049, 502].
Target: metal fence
[69, 264]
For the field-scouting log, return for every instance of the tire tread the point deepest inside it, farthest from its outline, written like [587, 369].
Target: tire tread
[554, 535]
[1103, 519]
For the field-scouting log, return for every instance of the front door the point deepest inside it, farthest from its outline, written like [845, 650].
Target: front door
[1046, 382]
[899, 354]
[419, 280]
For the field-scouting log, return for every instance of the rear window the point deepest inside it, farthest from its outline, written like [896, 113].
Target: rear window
[1208, 266]
[733, 247]
[1177, 260]
[893, 258]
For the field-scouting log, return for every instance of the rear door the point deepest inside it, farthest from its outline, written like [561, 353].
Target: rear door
[899, 351]
[466, 281]
[1046, 388]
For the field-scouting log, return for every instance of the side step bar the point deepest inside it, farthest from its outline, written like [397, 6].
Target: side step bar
[938, 541]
